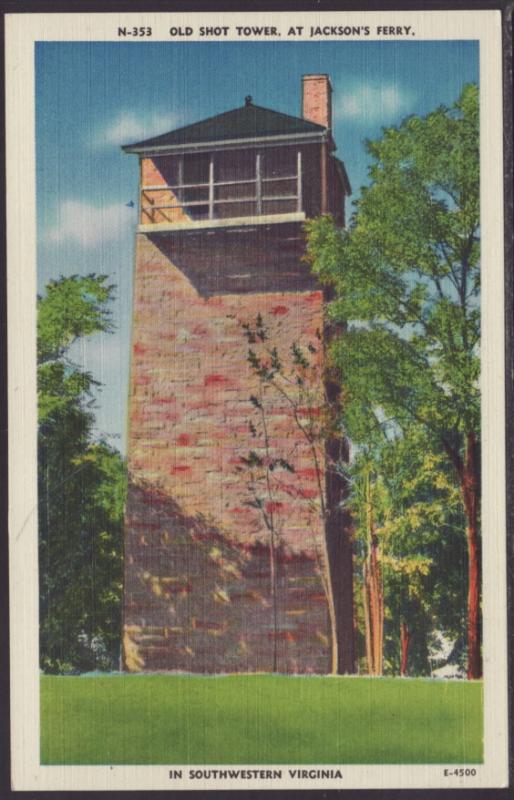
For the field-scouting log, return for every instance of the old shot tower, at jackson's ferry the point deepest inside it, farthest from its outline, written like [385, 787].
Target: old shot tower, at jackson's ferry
[220, 241]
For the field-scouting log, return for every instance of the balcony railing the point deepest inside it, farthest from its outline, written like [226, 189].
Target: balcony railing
[255, 196]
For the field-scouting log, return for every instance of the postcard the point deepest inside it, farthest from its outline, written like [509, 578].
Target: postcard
[256, 400]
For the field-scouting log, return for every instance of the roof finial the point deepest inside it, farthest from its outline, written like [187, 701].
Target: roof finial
[248, 100]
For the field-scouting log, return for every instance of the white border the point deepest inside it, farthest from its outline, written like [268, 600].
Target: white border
[22, 30]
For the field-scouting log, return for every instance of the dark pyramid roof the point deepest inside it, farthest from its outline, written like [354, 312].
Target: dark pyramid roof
[246, 122]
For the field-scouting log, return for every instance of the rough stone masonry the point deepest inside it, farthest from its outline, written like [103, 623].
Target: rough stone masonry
[199, 594]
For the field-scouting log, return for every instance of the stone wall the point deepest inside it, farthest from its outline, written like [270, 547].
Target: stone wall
[198, 588]
[150, 175]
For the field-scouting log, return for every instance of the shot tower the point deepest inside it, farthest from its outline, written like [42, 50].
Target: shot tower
[220, 241]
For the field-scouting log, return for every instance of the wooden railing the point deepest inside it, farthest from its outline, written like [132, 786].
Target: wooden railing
[162, 202]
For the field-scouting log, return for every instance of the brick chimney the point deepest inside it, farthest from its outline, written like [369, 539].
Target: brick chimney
[317, 99]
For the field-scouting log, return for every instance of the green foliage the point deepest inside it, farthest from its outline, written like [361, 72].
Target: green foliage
[405, 278]
[72, 307]
[419, 526]
[81, 491]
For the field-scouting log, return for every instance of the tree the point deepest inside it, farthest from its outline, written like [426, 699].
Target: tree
[406, 279]
[294, 380]
[404, 497]
[81, 489]
[425, 548]
[366, 501]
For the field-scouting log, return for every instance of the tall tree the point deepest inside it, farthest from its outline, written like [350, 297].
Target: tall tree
[409, 521]
[81, 489]
[406, 275]
[367, 503]
[294, 379]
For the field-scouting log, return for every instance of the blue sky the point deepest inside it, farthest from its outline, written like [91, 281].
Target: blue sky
[93, 97]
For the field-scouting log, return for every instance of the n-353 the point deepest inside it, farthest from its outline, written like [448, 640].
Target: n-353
[134, 31]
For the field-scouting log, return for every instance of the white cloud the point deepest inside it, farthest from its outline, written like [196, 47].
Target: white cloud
[371, 103]
[89, 225]
[129, 127]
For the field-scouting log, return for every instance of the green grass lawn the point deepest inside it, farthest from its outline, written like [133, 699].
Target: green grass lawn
[259, 719]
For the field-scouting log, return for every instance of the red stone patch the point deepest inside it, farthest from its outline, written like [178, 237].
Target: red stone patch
[272, 507]
[286, 636]
[307, 472]
[215, 380]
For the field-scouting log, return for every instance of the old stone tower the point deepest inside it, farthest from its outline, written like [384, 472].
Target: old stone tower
[208, 586]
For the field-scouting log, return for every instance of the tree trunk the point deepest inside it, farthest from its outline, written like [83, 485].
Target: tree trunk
[373, 611]
[339, 546]
[468, 471]
[376, 607]
[367, 623]
[373, 593]
[338, 522]
[274, 596]
[405, 637]
[470, 484]
[326, 581]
